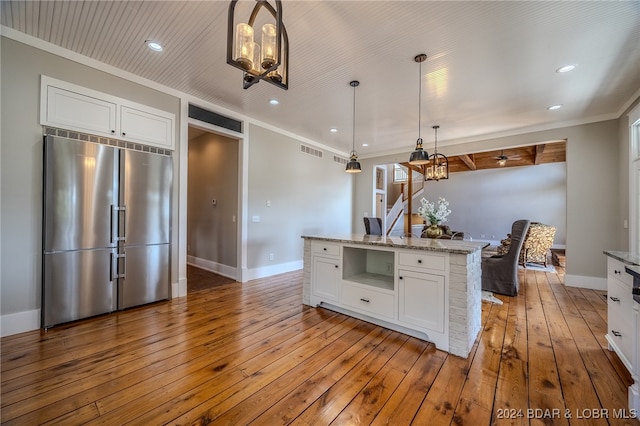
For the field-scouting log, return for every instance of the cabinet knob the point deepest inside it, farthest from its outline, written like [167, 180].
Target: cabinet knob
[615, 271]
[113, 131]
[324, 248]
[336, 266]
[399, 278]
[616, 333]
[364, 300]
[615, 299]
[124, 134]
[419, 260]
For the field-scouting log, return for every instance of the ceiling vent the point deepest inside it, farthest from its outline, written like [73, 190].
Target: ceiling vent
[311, 151]
[215, 119]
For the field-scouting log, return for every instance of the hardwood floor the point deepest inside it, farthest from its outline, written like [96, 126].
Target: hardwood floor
[239, 354]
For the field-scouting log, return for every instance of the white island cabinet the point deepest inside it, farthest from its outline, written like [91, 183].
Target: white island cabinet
[426, 288]
[623, 316]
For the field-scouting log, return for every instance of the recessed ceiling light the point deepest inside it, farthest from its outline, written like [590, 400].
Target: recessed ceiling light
[566, 68]
[154, 45]
[554, 107]
[274, 101]
[333, 130]
[365, 144]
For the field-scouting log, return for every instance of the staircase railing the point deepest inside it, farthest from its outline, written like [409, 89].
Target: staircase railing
[396, 212]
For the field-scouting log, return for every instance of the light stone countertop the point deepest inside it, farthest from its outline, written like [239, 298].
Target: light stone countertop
[413, 243]
[624, 256]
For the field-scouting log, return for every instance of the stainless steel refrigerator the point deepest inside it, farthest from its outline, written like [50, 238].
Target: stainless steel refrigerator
[106, 229]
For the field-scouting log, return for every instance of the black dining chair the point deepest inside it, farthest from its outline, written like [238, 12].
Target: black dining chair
[373, 225]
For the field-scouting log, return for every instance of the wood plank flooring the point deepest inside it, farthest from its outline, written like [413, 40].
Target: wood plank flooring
[251, 353]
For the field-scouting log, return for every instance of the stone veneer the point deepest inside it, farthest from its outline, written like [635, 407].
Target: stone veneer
[465, 301]
[465, 293]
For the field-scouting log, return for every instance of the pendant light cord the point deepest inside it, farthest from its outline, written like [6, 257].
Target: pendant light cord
[419, 99]
[353, 145]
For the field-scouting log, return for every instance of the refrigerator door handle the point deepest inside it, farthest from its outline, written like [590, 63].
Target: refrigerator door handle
[123, 224]
[116, 266]
[113, 270]
[120, 221]
[114, 223]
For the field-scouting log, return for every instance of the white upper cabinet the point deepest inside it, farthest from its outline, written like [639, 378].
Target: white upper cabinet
[145, 126]
[73, 107]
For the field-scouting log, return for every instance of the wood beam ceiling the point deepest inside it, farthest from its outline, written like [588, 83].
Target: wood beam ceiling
[530, 155]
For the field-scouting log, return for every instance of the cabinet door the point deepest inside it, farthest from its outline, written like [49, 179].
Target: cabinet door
[75, 111]
[147, 127]
[325, 282]
[422, 299]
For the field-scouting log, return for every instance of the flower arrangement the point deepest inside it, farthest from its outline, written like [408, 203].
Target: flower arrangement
[434, 215]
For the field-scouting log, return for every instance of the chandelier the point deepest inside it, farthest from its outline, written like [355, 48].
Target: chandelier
[419, 156]
[269, 60]
[439, 166]
[353, 166]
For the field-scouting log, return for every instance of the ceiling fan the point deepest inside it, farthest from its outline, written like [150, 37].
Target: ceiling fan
[502, 159]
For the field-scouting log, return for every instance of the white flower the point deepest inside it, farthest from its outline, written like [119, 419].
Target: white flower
[434, 215]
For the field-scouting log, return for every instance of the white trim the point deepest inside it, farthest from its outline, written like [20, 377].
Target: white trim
[593, 283]
[19, 322]
[179, 289]
[634, 175]
[267, 271]
[211, 266]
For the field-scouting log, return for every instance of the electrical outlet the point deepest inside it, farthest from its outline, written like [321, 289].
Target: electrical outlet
[270, 256]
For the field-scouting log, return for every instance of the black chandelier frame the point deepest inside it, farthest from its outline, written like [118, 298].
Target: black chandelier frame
[251, 77]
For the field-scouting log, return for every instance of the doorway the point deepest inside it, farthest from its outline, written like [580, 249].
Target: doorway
[212, 202]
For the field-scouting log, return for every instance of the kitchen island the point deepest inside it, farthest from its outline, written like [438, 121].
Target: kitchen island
[623, 315]
[427, 288]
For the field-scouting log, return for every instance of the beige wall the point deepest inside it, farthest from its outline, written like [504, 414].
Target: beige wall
[21, 164]
[306, 196]
[593, 198]
[212, 229]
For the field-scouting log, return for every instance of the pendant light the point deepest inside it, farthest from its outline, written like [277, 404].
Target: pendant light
[353, 166]
[268, 60]
[439, 167]
[419, 156]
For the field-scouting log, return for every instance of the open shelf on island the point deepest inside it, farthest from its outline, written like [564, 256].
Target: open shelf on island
[370, 267]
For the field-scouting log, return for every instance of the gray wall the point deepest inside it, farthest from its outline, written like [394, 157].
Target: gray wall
[21, 168]
[593, 199]
[485, 203]
[213, 174]
[308, 196]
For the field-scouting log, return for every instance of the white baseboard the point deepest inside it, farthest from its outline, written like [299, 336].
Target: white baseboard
[267, 271]
[218, 268]
[593, 283]
[19, 322]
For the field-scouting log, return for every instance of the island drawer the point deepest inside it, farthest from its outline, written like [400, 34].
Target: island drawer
[418, 259]
[615, 269]
[319, 247]
[368, 300]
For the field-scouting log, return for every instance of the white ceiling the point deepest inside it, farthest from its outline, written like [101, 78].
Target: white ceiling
[490, 69]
